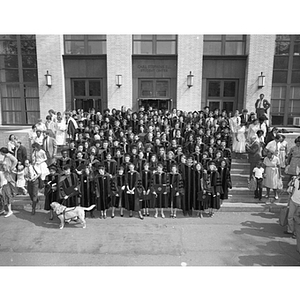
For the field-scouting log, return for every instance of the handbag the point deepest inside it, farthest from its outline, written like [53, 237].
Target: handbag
[280, 184]
[283, 216]
[252, 184]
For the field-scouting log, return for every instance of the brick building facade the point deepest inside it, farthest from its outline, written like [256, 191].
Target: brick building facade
[154, 71]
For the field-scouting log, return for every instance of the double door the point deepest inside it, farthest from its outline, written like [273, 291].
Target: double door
[222, 94]
[155, 93]
[87, 94]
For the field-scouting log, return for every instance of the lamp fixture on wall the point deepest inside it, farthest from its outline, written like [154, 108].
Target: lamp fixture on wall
[190, 80]
[48, 79]
[118, 80]
[261, 80]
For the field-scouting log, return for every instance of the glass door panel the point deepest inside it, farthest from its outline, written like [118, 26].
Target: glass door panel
[214, 105]
[147, 88]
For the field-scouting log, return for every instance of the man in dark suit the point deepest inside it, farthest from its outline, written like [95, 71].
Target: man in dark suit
[261, 105]
[245, 117]
[21, 153]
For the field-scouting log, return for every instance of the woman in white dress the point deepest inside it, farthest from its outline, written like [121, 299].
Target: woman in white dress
[239, 146]
[39, 159]
[272, 173]
[60, 131]
[235, 126]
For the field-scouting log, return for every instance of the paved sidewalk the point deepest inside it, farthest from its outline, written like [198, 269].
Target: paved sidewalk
[227, 239]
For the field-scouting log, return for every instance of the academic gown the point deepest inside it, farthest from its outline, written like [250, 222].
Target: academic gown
[176, 185]
[118, 195]
[213, 187]
[103, 191]
[132, 180]
[160, 182]
[200, 199]
[50, 190]
[225, 182]
[87, 188]
[67, 188]
[189, 189]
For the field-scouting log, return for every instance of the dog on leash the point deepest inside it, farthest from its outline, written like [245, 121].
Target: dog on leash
[67, 214]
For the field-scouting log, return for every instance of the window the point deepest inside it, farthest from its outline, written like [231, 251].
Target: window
[285, 102]
[19, 79]
[224, 44]
[154, 44]
[85, 44]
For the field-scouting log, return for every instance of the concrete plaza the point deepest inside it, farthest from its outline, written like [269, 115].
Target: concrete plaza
[227, 239]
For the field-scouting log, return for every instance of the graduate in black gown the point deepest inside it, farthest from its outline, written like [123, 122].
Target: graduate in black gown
[69, 187]
[103, 190]
[160, 182]
[51, 189]
[146, 179]
[87, 188]
[225, 177]
[118, 192]
[189, 186]
[200, 200]
[64, 160]
[133, 192]
[176, 190]
[213, 188]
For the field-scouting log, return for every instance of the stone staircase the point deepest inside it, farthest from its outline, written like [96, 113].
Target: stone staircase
[241, 198]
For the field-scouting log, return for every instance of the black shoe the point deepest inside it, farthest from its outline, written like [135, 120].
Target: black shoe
[148, 214]
[121, 215]
[112, 216]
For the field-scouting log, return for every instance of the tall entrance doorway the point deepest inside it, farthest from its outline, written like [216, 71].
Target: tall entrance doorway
[222, 94]
[155, 93]
[87, 94]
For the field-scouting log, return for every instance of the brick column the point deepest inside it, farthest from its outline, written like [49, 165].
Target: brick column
[119, 53]
[260, 59]
[190, 58]
[49, 50]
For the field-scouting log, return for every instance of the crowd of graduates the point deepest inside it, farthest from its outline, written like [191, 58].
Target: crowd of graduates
[150, 159]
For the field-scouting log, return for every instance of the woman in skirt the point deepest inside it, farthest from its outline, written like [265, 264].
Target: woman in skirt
[176, 190]
[200, 199]
[213, 188]
[118, 192]
[160, 181]
[146, 179]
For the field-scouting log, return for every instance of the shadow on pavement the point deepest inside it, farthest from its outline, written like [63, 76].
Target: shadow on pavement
[273, 253]
[268, 230]
[266, 215]
[276, 248]
[39, 219]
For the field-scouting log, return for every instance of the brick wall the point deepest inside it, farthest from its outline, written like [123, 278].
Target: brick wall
[49, 57]
[119, 53]
[260, 59]
[190, 53]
